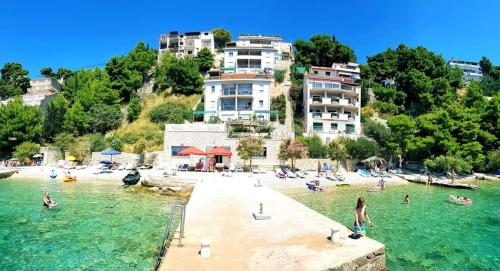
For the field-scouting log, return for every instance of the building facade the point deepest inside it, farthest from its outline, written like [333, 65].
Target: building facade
[472, 70]
[186, 44]
[40, 93]
[256, 54]
[237, 97]
[332, 101]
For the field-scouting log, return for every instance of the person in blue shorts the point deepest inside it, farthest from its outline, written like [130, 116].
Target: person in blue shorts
[360, 215]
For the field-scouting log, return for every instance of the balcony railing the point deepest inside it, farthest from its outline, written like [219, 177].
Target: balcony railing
[316, 115]
[229, 92]
[244, 92]
[317, 100]
[229, 108]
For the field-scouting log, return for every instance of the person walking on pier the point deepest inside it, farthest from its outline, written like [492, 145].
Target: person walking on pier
[359, 217]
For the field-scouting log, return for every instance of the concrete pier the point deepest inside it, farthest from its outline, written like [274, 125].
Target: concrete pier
[295, 238]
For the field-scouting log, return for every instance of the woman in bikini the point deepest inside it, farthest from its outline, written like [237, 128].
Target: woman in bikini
[359, 218]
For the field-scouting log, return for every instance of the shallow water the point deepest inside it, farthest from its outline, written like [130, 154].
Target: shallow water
[94, 227]
[428, 234]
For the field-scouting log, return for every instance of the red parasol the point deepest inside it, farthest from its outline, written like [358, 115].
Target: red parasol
[219, 151]
[191, 151]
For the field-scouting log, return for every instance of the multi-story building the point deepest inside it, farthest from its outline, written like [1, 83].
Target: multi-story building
[237, 97]
[41, 92]
[186, 44]
[332, 101]
[472, 71]
[256, 54]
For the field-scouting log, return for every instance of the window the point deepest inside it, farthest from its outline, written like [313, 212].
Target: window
[181, 43]
[261, 103]
[328, 85]
[177, 149]
[350, 128]
[190, 52]
[230, 53]
[213, 89]
[255, 63]
[263, 154]
[212, 104]
[327, 73]
[334, 127]
[317, 127]
[317, 85]
[315, 72]
[242, 63]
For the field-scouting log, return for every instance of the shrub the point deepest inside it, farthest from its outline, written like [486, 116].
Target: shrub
[315, 146]
[97, 142]
[170, 112]
[361, 148]
[493, 160]
[447, 164]
[115, 143]
[104, 118]
[134, 109]
[279, 103]
[25, 151]
[279, 76]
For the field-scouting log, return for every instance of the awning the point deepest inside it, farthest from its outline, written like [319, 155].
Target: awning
[300, 70]
[227, 68]
[267, 111]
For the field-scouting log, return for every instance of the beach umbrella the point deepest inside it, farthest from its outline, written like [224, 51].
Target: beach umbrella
[107, 162]
[71, 158]
[110, 152]
[219, 151]
[191, 151]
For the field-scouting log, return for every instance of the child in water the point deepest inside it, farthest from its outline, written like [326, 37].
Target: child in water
[407, 199]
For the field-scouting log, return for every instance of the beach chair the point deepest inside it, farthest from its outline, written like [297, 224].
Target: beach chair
[183, 167]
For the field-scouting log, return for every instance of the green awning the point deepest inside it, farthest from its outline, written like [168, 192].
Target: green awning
[300, 70]
[200, 112]
[266, 111]
[227, 69]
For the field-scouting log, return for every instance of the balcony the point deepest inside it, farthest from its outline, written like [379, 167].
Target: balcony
[229, 92]
[317, 100]
[317, 115]
[245, 92]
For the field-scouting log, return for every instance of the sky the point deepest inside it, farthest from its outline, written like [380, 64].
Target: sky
[79, 34]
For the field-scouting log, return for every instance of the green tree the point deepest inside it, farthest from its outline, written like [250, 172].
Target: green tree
[25, 151]
[180, 74]
[76, 120]
[485, 65]
[64, 141]
[63, 73]
[315, 146]
[54, 117]
[447, 164]
[123, 80]
[337, 152]
[103, 118]
[361, 148]
[221, 37]
[249, 147]
[19, 123]
[47, 72]
[170, 112]
[279, 76]
[8, 89]
[14, 74]
[204, 59]
[322, 50]
[402, 130]
[278, 103]
[493, 160]
[134, 108]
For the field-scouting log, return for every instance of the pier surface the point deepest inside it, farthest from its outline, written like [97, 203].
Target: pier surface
[295, 238]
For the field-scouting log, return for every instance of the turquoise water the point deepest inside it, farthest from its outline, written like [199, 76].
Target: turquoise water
[428, 234]
[94, 227]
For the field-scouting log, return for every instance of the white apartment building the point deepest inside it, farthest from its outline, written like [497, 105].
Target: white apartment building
[186, 44]
[472, 71]
[332, 101]
[41, 92]
[256, 54]
[237, 97]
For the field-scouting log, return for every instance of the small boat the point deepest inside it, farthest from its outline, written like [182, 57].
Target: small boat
[69, 179]
[132, 177]
[7, 173]
[460, 200]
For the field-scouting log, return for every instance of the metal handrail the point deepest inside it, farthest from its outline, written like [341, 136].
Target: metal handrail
[166, 236]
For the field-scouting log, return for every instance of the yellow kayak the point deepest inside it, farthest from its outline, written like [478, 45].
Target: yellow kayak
[69, 179]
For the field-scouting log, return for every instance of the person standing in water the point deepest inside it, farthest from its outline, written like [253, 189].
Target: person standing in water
[360, 215]
[407, 199]
[47, 201]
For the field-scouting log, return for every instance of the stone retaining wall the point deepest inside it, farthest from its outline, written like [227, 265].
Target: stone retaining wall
[374, 261]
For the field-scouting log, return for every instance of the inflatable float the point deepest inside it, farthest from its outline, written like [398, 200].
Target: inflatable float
[460, 200]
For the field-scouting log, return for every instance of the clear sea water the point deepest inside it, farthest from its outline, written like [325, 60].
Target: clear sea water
[428, 234]
[94, 227]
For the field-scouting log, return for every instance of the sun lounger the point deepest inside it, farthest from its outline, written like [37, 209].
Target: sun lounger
[238, 167]
[183, 167]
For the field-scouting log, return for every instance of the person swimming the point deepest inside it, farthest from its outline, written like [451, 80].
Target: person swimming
[47, 201]
[407, 199]
[359, 217]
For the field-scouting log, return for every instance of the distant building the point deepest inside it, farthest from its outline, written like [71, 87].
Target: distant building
[186, 44]
[237, 97]
[253, 53]
[332, 101]
[472, 71]
[41, 92]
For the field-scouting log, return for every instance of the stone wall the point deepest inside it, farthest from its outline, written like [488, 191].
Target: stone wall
[51, 155]
[374, 261]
